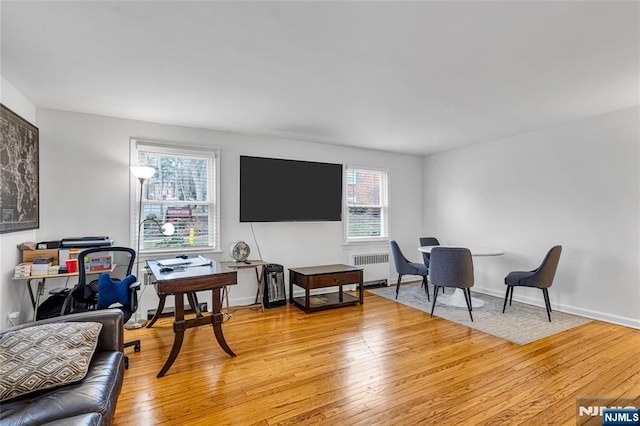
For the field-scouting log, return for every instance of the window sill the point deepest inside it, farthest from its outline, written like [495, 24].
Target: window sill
[372, 242]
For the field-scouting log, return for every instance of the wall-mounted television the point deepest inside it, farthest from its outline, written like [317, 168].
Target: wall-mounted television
[280, 190]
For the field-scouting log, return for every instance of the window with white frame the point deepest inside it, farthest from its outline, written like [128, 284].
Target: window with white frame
[367, 215]
[183, 191]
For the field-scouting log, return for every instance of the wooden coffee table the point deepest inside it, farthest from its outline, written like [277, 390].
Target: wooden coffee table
[325, 276]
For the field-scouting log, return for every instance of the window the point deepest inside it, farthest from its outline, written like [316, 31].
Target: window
[183, 191]
[366, 203]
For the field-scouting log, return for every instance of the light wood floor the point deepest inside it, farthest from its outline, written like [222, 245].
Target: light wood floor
[381, 363]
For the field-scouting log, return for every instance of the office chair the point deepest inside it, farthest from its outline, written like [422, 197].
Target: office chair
[541, 277]
[106, 290]
[404, 267]
[451, 267]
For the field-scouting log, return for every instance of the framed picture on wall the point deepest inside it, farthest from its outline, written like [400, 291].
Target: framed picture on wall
[19, 173]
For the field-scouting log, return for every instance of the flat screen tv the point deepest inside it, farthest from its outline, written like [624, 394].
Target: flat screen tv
[279, 190]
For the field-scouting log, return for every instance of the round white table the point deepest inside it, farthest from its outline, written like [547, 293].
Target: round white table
[457, 299]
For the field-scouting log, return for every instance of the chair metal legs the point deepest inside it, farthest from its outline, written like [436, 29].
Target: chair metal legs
[398, 285]
[435, 297]
[547, 303]
[545, 293]
[425, 284]
[506, 296]
[467, 299]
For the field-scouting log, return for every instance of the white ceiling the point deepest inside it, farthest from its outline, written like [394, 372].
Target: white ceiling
[409, 77]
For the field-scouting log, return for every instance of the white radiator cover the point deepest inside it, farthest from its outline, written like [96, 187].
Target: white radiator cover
[375, 266]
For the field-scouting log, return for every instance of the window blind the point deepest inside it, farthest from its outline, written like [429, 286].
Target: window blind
[181, 192]
[366, 200]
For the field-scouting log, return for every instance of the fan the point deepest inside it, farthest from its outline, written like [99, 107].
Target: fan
[239, 251]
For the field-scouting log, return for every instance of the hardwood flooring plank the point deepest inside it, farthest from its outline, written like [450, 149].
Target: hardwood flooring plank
[380, 363]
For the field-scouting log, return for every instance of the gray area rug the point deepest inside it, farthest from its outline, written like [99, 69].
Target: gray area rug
[521, 323]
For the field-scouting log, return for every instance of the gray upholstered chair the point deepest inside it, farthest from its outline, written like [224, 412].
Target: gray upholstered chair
[451, 267]
[404, 267]
[541, 277]
[428, 241]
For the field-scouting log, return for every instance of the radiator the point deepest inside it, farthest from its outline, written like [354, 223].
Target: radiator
[375, 267]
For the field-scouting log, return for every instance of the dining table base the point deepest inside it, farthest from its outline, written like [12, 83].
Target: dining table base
[457, 299]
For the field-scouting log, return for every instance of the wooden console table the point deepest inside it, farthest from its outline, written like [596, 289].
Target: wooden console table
[189, 279]
[322, 277]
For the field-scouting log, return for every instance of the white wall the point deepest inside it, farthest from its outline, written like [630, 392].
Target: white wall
[84, 190]
[13, 294]
[576, 184]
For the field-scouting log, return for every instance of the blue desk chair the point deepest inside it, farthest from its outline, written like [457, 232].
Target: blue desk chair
[106, 290]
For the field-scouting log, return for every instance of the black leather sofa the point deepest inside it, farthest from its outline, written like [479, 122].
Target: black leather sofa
[92, 400]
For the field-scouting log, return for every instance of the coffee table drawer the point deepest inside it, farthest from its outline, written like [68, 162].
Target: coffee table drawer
[331, 280]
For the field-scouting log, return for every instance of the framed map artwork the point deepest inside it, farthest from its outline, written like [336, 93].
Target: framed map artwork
[19, 173]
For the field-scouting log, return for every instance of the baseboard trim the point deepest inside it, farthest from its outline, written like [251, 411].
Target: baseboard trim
[568, 309]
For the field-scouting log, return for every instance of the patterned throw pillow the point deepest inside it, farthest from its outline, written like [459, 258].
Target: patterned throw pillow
[45, 356]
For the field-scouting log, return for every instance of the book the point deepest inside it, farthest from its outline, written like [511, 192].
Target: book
[22, 270]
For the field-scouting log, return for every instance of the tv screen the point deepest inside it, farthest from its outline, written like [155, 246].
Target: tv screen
[278, 190]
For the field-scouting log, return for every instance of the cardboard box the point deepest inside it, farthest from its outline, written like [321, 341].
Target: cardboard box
[29, 255]
[40, 268]
[74, 252]
[98, 262]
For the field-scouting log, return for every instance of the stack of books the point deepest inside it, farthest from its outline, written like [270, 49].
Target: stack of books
[41, 265]
[22, 270]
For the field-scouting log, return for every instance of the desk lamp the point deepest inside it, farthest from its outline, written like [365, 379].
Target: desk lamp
[144, 173]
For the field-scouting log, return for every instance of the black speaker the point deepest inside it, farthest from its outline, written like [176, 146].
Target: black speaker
[274, 288]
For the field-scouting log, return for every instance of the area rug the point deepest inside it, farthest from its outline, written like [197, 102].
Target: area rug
[521, 323]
